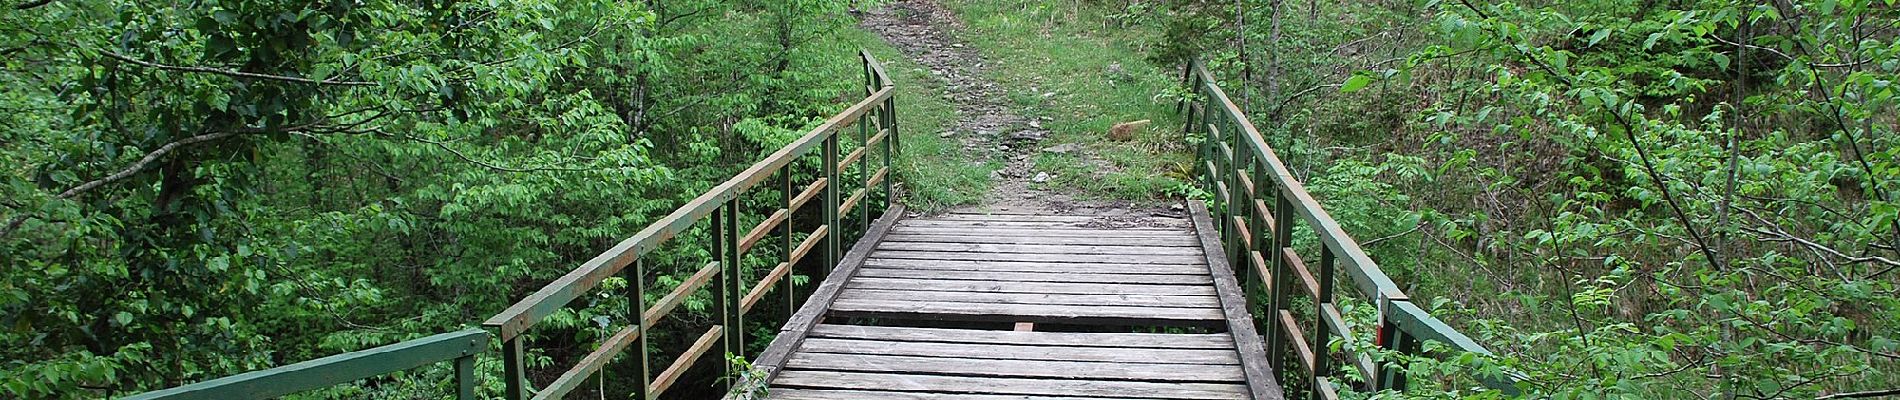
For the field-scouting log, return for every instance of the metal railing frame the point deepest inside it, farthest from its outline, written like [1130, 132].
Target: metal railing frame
[876, 119]
[1260, 202]
[722, 204]
[461, 346]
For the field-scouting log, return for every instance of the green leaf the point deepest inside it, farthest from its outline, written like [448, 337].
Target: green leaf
[124, 318]
[1355, 83]
[1598, 37]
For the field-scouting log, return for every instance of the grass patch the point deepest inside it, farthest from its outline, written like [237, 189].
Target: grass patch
[936, 172]
[1098, 77]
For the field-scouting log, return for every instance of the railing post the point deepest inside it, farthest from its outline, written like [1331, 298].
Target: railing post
[831, 204]
[1391, 376]
[785, 242]
[637, 306]
[890, 148]
[465, 377]
[1263, 188]
[1321, 360]
[1229, 211]
[514, 373]
[1282, 237]
[722, 286]
[738, 282]
[863, 206]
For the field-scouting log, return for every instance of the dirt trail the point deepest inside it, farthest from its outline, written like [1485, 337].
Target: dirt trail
[986, 126]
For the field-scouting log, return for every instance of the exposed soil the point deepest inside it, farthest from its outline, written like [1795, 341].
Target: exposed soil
[986, 126]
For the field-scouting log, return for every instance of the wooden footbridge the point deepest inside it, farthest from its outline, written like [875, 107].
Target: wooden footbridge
[1095, 280]
[1220, 302]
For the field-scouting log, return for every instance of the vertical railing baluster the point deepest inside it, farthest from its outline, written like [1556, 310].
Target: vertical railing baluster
[637, 306]
[866, 128]
[1282, 237]
[514, 372]
[1391, 375]
[465, 377]
[722, 287]
[890, 149]
[864, 169]
[785, 242]
[1263, 188]
[1208, 150]
[739, 280]
[1234, 189]
[831, 204]
[1321, 360]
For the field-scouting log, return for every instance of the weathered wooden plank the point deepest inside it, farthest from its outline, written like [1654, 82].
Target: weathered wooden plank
[1015, 368]
[940, 310]
[1126, 259]
[955, 384]
[673, 372]
[1026, 287]
[994, 210]
[1020, 352]
[852, 202]
[811, 192]
[686, 289]
[1039, 248]
[809, 394]
[764, 285]
[1183, 223]
[1036, 276]
[1096, 225]
[1032, 266]
[1175, 241]
[851, 158]
[1035, 298]
[759, 231]
[812, 313]
[1132, 340]
[1261, 384]
[1297, 337]
[1040, 232]
[574, 377]
[1299, 271]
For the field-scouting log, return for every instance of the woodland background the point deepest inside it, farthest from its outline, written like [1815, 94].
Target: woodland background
[1623, 198]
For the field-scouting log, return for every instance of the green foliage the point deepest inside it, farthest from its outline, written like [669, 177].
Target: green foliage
[195, 191]
[1627, 199]
[1078, 67]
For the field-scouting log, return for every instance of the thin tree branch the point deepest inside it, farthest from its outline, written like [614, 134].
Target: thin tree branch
[1629, 132]
[1369, 243]
[1778, 236]
[127, 172]
[32, 4]
[231, 73]
[1860, 394]
[149, 158]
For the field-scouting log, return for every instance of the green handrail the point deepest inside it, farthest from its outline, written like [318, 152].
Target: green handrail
[342, 368]
[876, 117]
[1260, 202]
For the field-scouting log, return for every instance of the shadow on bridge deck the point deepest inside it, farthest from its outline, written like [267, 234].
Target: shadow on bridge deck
[1018, 306]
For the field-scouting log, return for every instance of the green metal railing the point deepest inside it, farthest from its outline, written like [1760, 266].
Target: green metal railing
[342, 368]
[876, 119]
[1260, 203]
[877, 131]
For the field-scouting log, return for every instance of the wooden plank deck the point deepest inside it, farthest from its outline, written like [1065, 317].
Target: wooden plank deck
[1025, 270]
